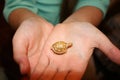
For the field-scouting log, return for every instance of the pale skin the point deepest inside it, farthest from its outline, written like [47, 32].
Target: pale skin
[34, 37]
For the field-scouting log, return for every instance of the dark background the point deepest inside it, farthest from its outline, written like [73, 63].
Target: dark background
[6, 34]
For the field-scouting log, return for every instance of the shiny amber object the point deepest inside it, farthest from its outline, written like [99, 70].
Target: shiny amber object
[60, 47]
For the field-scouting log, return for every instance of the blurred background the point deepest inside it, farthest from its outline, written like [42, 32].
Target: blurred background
[99, 68]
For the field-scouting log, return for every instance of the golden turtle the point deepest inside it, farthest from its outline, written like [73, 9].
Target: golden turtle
[60, 47]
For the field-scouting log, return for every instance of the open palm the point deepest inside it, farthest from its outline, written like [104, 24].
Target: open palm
[71, 65]
[28, 42]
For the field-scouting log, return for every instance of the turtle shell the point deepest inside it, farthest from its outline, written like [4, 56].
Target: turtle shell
[59, 47]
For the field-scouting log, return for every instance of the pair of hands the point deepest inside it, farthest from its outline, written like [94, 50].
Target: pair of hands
[32, 49]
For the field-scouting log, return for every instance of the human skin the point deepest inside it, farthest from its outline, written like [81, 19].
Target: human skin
[33, 38]
[72, 64]
[28, 42]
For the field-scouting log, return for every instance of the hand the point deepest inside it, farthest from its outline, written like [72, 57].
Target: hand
[71, 66]
[28, 42]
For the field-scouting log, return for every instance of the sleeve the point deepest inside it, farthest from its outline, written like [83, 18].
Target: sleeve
[11, 5]
[100, 4]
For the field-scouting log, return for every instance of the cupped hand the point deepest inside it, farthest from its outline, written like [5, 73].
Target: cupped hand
[71, 65]
[28, 42]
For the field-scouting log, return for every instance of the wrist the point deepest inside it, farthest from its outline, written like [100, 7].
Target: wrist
[36, 22]
[86, 14]
[21, 15]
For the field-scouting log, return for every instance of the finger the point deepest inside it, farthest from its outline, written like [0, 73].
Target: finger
[73, 76]
[105, 45]
[20, 56]
[49, 73]
[39, 68]
[25, 77]
[60, 75]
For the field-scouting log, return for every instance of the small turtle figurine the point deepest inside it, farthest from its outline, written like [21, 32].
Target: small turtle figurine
[60, 47]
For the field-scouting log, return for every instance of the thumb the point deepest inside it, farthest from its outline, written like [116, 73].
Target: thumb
[109, 49]
[20, 55]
